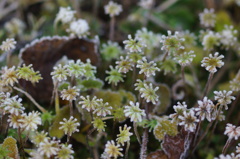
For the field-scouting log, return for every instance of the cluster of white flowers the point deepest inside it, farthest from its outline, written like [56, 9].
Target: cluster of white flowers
[65, 15]
[134, 112]
[179, 109]
[15, 27]
[149, 93]
[8, 44]
[224, 97]
[185, 58]
[172, 42]
[113, 9]
[210, 40]
[134, 45]
[112, 150]
[77, 27]
[232, 131]
[207, 17]
[228, 36]
[189, 120]
[69, 126]
[148, 68]
[205, 109]
[76, 69]
[212, 62]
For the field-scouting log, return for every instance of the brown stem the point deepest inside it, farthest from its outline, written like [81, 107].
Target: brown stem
[233, 106]
[183, 76]
[143, 152]
[202, 137]
[71, 108]
[8, 58]
[165, 56]
[197, 131]
[21, 148]
[207, 85]
[31, 98]
[215, 125]
[112, 24]
[226, 146]
[136, 132]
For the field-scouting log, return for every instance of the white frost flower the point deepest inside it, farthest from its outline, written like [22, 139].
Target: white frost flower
[204, 109]
[113, 9]
[148, 68]
[232, 131]
[211, 39]
[189, 120]
[134, 45]
[13, 105]
[224, 97]
[69, 126]
[208, 17]
[8, 44]
[179, 109]
[65, 15]
[70, 93]
[228, 36]
[31, 121]
[48, 148]
[79, 28]
[113, 150]
[212, 62]
[134, 112]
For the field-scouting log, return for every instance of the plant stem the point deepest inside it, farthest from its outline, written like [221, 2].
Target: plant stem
[21, 148]
[31, 98]
[126, 151]
[226, 145]
[233, 106]
[207, 85]
[215, 125]
[71, 108]
[197, 131]
[8, 58]
[202, 137]
[134, 75]
[187, 143]
[112, 24]
[143, 152]
[136, 132]
[165, 56]
[183, 76]
[57, 108]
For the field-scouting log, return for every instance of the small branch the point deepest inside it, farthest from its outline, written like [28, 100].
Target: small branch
[127, 149]
[183, 77]
[31, 98]
[21, 148]
[165, 56]
[164, 6]
[158, 22]
[112, 25]
[71, 108]
[233, 106]
[136, 132]
[226, 146]
[143, 152]
[207, 85]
